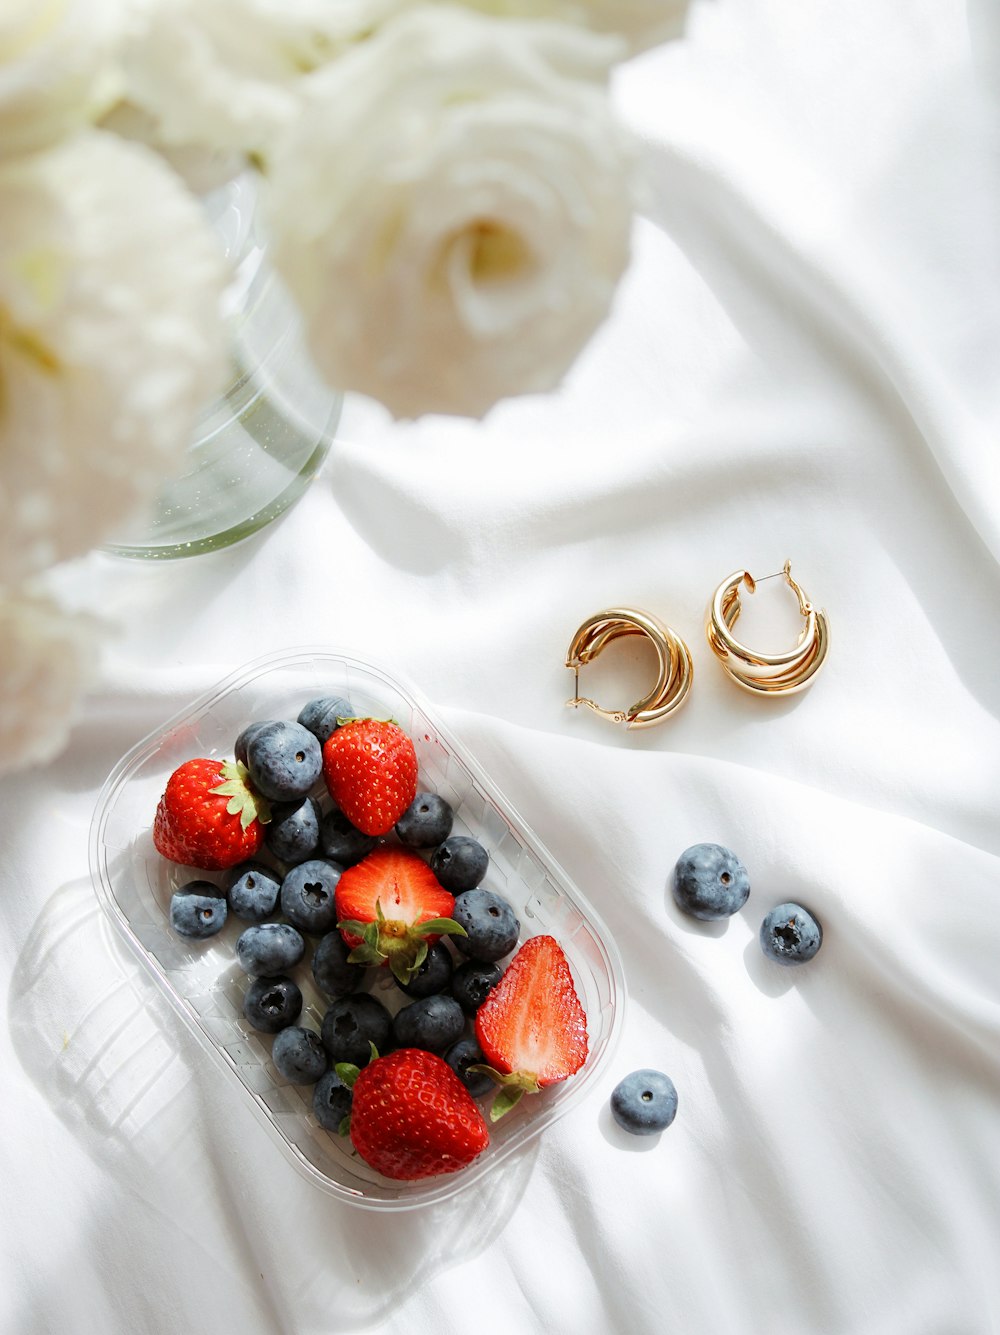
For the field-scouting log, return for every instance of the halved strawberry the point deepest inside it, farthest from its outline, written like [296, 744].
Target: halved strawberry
[210, 816]
[390, 908]
[370, 768]
[411, 1116]
[531, 1027]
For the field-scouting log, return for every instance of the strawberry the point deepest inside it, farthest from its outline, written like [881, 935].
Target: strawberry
[531, 1027]
[370, 768]
[390, 908]
[412, 1117]
[209, 815]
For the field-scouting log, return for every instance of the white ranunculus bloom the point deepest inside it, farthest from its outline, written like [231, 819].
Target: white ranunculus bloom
[47, 663]
[58, 68]
[452, 209]
[110, 341]
[220, 76]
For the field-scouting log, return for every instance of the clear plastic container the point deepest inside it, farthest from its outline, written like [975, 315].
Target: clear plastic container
[204, 982]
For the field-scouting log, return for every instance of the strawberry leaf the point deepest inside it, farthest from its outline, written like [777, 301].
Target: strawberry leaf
[504, 1101]
[365, 954]
[402, 969]
[371, 936]
[353, 927]
[345, 1126]
[440, 927]
[347, 1072]
[244, 800]
[420, 956]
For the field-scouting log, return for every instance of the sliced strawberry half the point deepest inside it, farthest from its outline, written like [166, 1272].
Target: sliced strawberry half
[390, 908]
[531, 1027]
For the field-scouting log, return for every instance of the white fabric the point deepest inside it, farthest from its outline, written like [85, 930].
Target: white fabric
[802, 363]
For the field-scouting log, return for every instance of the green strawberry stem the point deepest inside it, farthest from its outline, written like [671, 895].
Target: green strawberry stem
[402, 945]
[244, 800]
[513, 1086]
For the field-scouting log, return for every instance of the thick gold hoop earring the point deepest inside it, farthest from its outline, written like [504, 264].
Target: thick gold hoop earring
[766, 674]
[675, 669]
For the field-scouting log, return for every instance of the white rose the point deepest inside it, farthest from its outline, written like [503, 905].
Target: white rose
[47, 663]
[220, 76]
[452, 210]
[111, 341]
[58, 68]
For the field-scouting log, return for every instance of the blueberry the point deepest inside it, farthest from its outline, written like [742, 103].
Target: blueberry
[331, 1101]
[320, 715]
[710, 882]
[292, 834]
[460, 863]
[271, 1004]
[307, 896]
[330, 969]
[472, 982]
[269, 949]
[353, 1023]
[340, 841]
[790, 934]
[463, 1054]
[426, 822]
[284, 760]
[434, 974]
[434, 1023]
[198, 910]
[253, 891]
[490, 923]
[245, 737]
[644, 1102]
[299, 1055]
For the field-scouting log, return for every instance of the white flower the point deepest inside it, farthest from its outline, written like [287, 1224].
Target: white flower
[46, 665]
[58, 68]
[221, 75]
[452, 209]
[110, 341]
[643, 23]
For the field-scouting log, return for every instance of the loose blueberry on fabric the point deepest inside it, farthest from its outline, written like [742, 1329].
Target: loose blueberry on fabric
[271, 1004]
[490, 923]
[790, 934]
[460, 863]
[644, 1103]
[308, 896]
[293, 834]
[269, 949]
[432, 1023]
[332, 1102]
[253, 891]
[342, 842]
[463, 1054]
[299, 1056]
[710, 882]
[426, 822]
[352, 1024]
[198, 910]
[284, 760]
[331, 971]
[320, 716]
[433, 976]
[472, 982]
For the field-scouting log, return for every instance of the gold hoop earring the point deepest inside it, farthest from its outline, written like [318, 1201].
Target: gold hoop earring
[766, 674]
[675, 668]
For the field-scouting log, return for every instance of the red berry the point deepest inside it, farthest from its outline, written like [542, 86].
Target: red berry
[412, 1117]
[370, 768]
[209, 816]
[532, 1023]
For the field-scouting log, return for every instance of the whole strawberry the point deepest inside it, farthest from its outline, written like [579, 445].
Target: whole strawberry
[531, 1027]
[411, 1116]
[391, 908]
[209, 815]
[370, 768]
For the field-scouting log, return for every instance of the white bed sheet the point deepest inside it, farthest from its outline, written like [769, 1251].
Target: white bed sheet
[802, 363]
